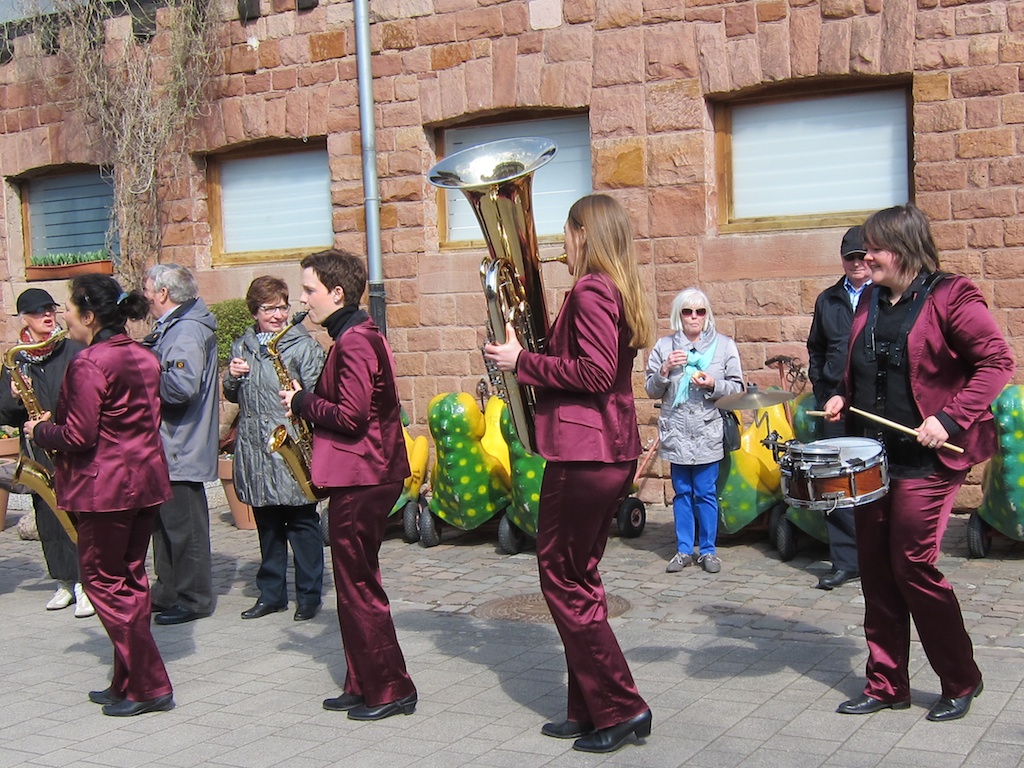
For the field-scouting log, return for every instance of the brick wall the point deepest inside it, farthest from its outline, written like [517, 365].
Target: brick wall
[645, 70]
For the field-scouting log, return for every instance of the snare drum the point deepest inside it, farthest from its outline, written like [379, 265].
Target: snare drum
[835, 473]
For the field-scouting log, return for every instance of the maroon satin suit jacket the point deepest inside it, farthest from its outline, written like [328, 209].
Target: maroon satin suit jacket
[107, 430]
[584, 379]
[357, 416]
[959, 363]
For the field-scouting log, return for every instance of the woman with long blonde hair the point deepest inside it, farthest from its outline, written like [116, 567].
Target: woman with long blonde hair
[586, 430]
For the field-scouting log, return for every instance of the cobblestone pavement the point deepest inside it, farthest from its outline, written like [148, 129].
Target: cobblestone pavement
[744, 668]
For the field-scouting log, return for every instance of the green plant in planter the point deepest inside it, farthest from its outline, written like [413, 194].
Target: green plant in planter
[66, 259]
[233, 317]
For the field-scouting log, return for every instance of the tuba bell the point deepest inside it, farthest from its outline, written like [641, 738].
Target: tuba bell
[497, 179]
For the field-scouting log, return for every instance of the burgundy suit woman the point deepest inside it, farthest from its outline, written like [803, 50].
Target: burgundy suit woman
[925, 352]
[359, 454]
[111, 471]
[586, 429]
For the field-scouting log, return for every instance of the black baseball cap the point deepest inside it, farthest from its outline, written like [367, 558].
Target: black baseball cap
[853, 244]
[33, 300]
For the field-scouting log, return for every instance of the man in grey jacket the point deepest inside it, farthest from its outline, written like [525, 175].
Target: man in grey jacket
[184, 340]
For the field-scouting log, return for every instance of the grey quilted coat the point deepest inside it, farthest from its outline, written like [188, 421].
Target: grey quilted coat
[691, 432]
[262, 478]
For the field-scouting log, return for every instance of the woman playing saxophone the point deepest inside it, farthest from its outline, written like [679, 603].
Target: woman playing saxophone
[41, 366]
[284, 515]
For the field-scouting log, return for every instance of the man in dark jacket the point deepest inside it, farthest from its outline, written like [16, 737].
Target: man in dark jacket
[43, 369]
[184, 340]
[826, 352]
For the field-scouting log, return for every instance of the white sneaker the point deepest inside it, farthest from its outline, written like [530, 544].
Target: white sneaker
[83, 607]
[62, 598]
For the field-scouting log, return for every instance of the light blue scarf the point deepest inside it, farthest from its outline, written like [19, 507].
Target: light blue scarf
[695, 361]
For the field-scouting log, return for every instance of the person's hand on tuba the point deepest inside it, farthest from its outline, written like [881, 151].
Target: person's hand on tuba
[504, 356]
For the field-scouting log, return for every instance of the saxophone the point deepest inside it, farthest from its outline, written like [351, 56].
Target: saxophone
[28, 472]
[297, 452]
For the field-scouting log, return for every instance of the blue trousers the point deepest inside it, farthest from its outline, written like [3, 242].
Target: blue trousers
[696, 500]
[278, 526]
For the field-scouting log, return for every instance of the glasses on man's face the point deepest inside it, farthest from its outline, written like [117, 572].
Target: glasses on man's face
[275, 309]
[50, 310]
[687, 312]
[855, 256]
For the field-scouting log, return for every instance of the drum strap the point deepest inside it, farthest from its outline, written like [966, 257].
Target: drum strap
[920, 289]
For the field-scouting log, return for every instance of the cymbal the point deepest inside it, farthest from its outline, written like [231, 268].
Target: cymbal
[753, 399]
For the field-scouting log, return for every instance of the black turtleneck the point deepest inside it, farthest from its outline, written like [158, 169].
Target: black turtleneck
[336, 325]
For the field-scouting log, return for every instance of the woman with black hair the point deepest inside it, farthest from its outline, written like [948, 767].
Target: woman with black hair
[112, 474]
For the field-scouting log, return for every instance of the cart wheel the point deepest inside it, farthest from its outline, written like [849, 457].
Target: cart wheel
[429, 537]
[775, 516]
[510, 538]
[631, 518]
[979, 536]
[325, 526]
[411, 521]
[785, 539]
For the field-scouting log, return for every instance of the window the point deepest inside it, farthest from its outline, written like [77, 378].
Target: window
[556, 186]
[270, 206]
[67, 212]
[821, 161]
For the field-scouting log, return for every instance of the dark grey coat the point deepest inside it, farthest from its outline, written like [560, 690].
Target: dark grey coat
[262, 478]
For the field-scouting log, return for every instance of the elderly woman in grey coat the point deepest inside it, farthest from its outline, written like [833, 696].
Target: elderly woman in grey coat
[689, 370]
[283, 513]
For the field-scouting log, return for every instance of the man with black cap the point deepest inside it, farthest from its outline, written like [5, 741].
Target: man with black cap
[826, 351]
[44, 369]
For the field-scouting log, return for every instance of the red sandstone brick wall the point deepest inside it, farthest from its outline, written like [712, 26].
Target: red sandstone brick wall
[644, 69]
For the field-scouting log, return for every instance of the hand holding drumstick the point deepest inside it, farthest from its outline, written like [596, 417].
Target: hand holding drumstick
[931, 433]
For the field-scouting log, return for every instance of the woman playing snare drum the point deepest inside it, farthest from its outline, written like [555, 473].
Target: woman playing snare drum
[924, 352]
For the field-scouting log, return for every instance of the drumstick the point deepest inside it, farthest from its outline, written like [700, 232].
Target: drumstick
[900, 427]
[815, 413]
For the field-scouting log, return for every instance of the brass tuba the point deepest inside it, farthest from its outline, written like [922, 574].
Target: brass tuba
[497, 178]
[297, 453]
[28, 472]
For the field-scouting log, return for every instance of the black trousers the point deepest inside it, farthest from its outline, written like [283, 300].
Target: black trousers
[181, 550]
[278, 526]
[840, 523]
[60, 554]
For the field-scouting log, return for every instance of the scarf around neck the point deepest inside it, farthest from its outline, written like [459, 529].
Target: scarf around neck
[695, 361]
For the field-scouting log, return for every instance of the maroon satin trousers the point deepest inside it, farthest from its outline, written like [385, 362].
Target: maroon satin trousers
[577, 503]
[376, 666]
[112, 550]
[898, 540]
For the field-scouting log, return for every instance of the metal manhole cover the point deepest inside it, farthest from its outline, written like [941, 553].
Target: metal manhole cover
[533, 610]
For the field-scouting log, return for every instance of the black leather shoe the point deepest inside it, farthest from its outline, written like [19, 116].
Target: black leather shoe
[837, 578]
[611, 738]
[105, 697]
[865, 705]
[178, 614]
[567, 729]
[404, 706]
[306, 612]
[343, 703]
[129, 708]
[953, 709]
[262, 609]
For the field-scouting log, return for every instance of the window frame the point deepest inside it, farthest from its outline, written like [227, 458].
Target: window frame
[22, 183]
[722, 113]
[440, 132]
[218, 257]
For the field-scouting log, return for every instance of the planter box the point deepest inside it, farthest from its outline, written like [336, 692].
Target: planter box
[66, 271]
[241, 514]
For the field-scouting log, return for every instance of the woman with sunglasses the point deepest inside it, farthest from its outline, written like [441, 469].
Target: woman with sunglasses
[689, 370]
[283, 513]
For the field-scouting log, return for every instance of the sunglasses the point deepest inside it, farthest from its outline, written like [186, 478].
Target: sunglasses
[687, 312]
[854, 256]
